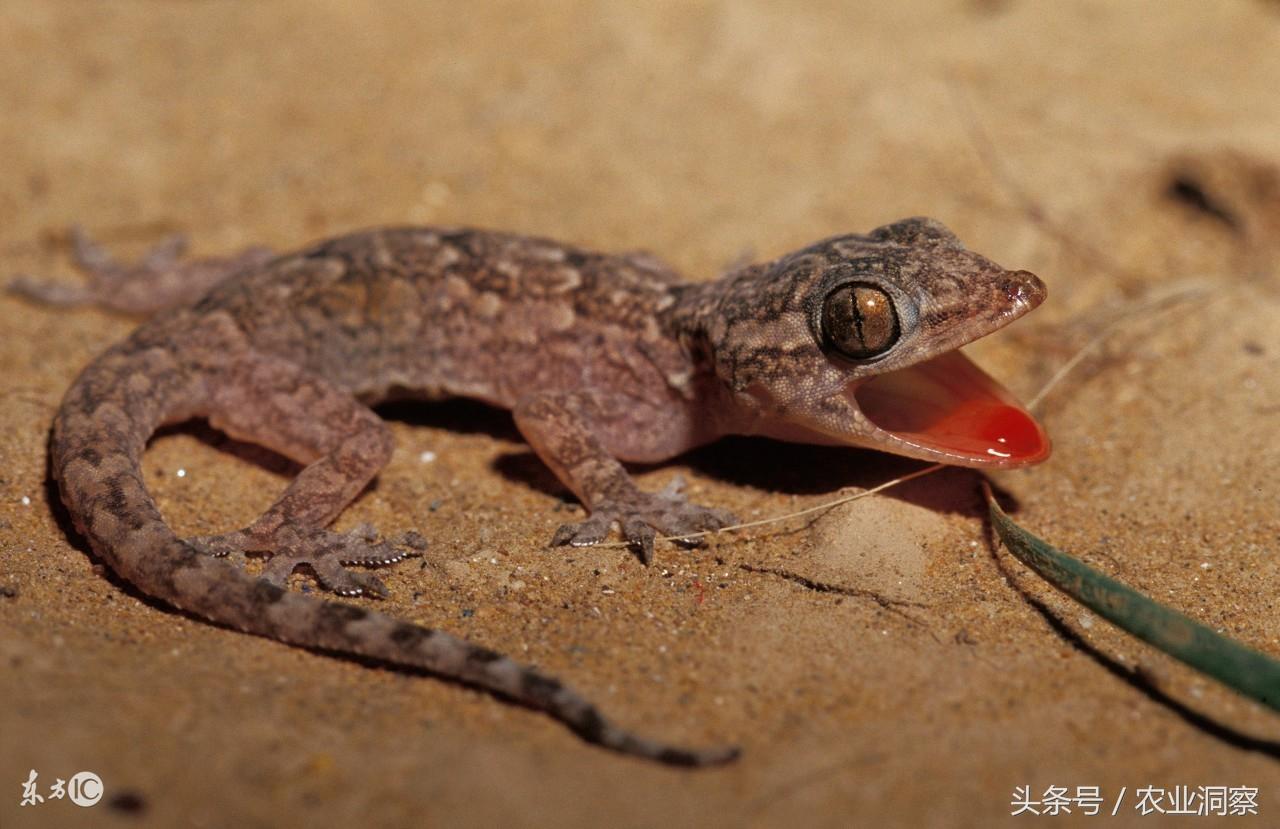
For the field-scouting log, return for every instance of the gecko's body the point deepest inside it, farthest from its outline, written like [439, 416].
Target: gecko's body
[601, 358]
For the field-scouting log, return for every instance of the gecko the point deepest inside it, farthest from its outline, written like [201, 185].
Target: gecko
[601, 358]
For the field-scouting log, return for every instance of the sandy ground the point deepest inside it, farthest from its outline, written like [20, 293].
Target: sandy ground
[1117, 149]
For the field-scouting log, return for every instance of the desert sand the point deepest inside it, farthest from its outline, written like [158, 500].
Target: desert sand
[1120, 150]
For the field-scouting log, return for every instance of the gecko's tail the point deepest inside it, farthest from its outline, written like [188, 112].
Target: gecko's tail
[98, 439]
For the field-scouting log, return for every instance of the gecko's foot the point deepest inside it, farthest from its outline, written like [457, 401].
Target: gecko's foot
[324, 552]
[160, 279]
[641, 517]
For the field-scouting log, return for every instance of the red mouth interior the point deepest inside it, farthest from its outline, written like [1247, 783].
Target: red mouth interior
[949, 405]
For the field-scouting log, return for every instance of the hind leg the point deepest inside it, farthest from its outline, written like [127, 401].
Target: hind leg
[343, 445]
[160, 279]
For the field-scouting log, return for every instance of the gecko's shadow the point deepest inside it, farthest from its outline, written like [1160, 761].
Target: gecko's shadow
[805, 469]
[755, 463]
[789, 469]
[453, 415]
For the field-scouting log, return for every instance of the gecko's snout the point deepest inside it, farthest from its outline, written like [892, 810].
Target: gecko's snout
[1023, 290]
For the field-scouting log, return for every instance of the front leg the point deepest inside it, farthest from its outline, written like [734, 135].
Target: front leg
[559, 427]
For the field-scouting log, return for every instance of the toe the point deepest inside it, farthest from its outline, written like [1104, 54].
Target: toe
[279, 568]
[564, 534]
[230, 546]
[166, 253]
[639, 534]
[723, 517]
[674, 489]
[88, 254]
[416, 544]
[333, 576]
[694, 519]
[370, 555]
[50, 293]
[363, 532]
[583, 534]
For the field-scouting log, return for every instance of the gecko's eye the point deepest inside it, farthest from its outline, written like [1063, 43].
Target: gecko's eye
[859, 321]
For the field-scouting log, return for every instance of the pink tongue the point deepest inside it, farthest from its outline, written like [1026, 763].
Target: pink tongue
[948, 404]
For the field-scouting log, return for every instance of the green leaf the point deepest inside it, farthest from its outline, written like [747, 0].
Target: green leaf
[1251, 673]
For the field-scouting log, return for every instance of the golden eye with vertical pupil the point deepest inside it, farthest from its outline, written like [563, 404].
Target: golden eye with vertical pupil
[859, 321]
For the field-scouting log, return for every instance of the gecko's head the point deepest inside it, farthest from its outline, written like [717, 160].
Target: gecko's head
[854, 340]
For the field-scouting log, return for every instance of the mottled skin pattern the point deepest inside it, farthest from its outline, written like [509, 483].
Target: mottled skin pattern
[601, 358]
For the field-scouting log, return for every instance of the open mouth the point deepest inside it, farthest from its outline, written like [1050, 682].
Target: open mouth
[954, 412]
